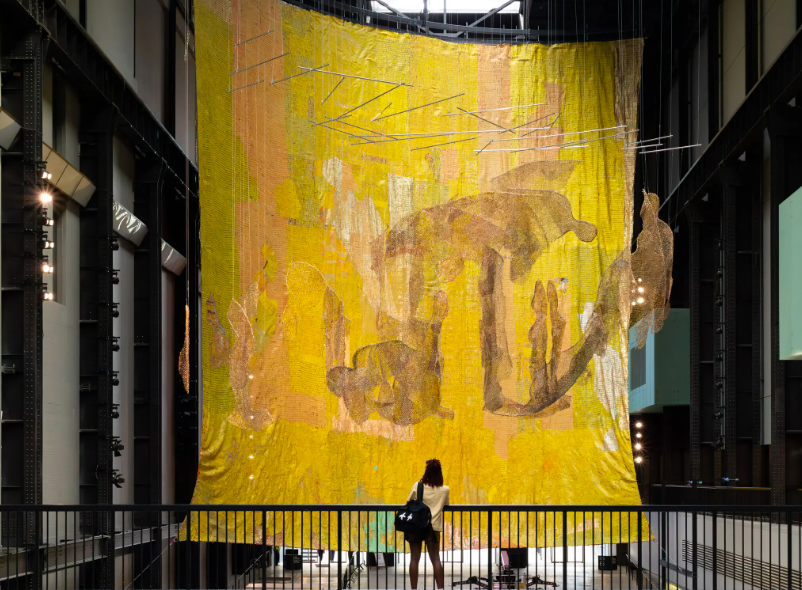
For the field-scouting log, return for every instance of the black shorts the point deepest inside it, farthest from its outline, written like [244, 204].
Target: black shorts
[432, 538]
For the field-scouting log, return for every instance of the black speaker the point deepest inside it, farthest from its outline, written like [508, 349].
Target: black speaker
[607, 563]
[292, 559]
[389, 560]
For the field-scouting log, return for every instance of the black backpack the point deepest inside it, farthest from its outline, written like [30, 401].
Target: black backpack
[415, 518]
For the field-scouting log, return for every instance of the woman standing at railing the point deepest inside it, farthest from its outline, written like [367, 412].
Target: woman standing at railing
[435, 496]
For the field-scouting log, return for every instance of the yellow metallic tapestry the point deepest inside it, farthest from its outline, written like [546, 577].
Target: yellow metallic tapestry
[411, 249]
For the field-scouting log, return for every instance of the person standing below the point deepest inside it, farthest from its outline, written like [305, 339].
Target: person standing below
[435, 496]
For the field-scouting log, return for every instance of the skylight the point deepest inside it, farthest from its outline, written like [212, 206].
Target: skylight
[451, 6]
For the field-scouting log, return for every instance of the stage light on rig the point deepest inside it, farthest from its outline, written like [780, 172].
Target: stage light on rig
[45, 197]
[638, 446]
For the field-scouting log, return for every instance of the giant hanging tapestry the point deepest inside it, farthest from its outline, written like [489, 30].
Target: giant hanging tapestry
[412, 249]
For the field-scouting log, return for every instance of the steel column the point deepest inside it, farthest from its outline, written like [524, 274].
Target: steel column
[695, 350]
[98, 123]
[150, 176]
[731, 183]
[22, 297]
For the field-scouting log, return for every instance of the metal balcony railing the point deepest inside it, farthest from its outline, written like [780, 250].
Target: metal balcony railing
[322, 547]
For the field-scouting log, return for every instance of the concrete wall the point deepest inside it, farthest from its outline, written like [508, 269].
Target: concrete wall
[765, 308]
[110, 23]
[185, 104]
[60, 372]
[733, 56]
[151, 20]
[778, 22]
[700, 116]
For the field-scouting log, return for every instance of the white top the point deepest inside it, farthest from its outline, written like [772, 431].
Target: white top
[435, 499]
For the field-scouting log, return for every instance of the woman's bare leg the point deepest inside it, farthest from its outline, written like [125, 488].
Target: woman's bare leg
[434, 556]
[415, 547]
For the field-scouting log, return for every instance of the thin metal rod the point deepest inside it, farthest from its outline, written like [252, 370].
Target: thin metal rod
[649, 140]
[532, 121]
[246, 86]
[381, 111]
[483, 149]
[354, 77]
[252, 38]
[352, 125]
[259, 64]
[486, 121]
[419, 107]
[332, 90]
[563, 134]
[557, 118]
[640, 147]
[439, 144]
[301, 74]
[523, 106]
[364, 103]
[579, 142]
[411, 136]
[682, 147]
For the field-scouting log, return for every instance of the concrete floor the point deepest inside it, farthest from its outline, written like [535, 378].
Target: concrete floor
[324, 576]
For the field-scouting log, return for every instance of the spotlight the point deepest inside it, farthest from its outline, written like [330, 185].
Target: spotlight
[48, 296]
[115, 278]
[638, 435]
[116, 479]
[115, 346]
[250, 456]
[115, 411]
[114, 379]
[634, 303]
[115, 311]
[640, 299]
[47, 269]
[46, 197]
[251, 477]
[640, 289]
[49, 222]
[638, 460]
[44, 174]
[48, 245]
[640, 280]
[117, 446]
[250, 376]
[115, 245]
[638, 446]
[638, 424]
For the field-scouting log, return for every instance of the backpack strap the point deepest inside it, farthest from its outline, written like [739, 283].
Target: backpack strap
[420, 492]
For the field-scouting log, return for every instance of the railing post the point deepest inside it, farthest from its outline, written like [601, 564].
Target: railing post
[489, 548]
[715, 550]
[34, 551]
[640, 551]
[339, 549]
[188, 550]
[264, 550]
[565, 548]
[695, 551]
[790, 554]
